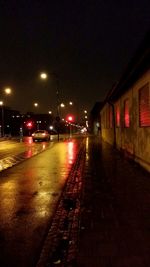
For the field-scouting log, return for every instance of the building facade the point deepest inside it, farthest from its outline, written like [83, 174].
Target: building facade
[125, 116]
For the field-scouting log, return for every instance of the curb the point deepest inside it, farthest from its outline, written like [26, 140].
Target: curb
[61, 245]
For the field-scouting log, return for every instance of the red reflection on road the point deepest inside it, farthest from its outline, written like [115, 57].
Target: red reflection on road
[71, 152]
[28, 140]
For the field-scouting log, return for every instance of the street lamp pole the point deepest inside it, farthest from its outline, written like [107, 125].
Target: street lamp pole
[44, 76]
[7, 91]
[2, 118]
[36, 105]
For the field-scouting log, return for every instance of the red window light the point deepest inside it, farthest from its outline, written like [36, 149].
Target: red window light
[126, 113]
[117, 116]
[144, 106]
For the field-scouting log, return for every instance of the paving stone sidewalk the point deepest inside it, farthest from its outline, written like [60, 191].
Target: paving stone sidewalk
[115, 210]
[61, 244]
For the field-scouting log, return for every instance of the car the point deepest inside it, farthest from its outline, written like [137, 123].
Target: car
[41, 135]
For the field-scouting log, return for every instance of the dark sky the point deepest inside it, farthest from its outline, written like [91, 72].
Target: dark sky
[87, 43]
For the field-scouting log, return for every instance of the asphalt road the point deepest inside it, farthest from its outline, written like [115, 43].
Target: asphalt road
[29, 193]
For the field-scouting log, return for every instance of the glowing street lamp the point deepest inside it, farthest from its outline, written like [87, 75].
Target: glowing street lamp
[43, 75]
[7, 90]
[36, 104]
[2, 110]
[62, 105]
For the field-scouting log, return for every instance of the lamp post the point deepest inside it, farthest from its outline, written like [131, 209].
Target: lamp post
[2, 118]
[86, 118]
[44, 76]
[7, 91]
[36, 105]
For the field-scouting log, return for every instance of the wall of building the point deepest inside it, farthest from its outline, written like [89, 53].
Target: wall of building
[107, 130]
[142, 138]
[133, 140]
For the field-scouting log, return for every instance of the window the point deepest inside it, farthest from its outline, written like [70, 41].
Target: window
[144, 106]
[126, 113]
[117, 116]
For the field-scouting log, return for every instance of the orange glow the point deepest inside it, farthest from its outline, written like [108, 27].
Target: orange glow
[71, 152]
[43, 146]
[29, 153]
[30, 141]
[126, 113]
[117, 116]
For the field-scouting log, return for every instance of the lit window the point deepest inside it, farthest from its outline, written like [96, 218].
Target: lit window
[126, 113]
[144, 106]
[117, 116]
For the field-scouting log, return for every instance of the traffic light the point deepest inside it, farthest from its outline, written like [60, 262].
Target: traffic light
[70, 118]
[29, 124]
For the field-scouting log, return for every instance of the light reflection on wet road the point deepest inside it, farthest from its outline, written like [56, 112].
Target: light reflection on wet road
[29, 193]
[13, 152]
[9, 147]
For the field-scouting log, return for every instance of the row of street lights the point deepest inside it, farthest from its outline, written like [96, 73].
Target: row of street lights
[43, 76]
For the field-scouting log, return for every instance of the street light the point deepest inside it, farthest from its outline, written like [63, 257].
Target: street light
[62, 105]
[2, 118]
[36, 104]
[7, 91]
[43, 75]
[37, 122]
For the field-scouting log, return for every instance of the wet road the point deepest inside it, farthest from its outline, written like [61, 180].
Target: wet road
[14, 151]
[19, 145]
[29, 193]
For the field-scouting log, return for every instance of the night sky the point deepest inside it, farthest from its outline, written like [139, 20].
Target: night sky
[88, 44]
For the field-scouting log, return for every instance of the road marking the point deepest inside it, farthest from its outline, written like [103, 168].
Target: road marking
[10, 161]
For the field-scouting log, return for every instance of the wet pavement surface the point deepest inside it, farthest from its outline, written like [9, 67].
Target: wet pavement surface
[29, 195]
[102, 218]
[107, 222]
[115, 211]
